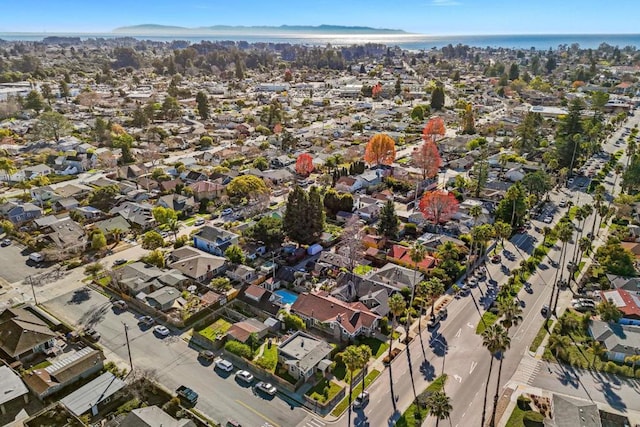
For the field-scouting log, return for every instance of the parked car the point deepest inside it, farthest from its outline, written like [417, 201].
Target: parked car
[92, 334]
[227, 211]
[161, 330]
[361, 400]
[496, 259]
[120, 305]
[119, 261]
[6, 242]
[545, 311]
[206, 355]
[36, 257]
[548, 220]
[186, 394]
[244, 376]
[199, 222]
[146, 320]
[267, 388]
[223, 364]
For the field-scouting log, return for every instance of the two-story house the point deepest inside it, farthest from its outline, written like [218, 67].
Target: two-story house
[303, 355]
[19, 212]
[214, 240]
[345, 320]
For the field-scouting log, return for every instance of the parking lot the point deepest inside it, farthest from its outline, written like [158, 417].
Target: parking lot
[16, 265]
[173, 362]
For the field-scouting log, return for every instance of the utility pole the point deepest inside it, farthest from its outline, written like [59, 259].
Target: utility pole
[33, 291]
[126, 335]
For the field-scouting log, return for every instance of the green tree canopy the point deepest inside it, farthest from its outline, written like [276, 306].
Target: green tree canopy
[52, 125]
[389, 222]
[152, 240]
[268, 230]
[248, 186]
[234, 254]
[304, 218]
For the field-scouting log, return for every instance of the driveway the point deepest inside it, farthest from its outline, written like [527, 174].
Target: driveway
[172, 362]
[16, 265]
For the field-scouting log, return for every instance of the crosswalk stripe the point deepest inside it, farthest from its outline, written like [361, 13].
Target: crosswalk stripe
[313, 422]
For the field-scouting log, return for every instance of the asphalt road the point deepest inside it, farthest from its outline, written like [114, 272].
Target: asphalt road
[173, 363]
[16, 264]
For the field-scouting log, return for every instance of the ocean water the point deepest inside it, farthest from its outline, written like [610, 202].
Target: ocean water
[405, 41]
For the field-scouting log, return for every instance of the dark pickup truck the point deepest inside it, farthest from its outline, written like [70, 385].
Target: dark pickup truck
[186, 394]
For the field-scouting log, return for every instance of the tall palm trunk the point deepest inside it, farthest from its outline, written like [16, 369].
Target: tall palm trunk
[351, 394]
[486, 392]
[492, 423]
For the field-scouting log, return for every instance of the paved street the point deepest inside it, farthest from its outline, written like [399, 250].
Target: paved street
[173, 363]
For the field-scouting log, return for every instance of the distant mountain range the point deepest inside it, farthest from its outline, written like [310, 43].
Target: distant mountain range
[150, 29]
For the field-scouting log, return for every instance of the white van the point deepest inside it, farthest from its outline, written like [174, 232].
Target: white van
[36, 257]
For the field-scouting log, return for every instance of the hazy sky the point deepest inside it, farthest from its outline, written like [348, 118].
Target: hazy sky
[433, 17]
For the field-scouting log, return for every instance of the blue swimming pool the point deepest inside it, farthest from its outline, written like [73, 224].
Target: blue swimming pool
[288, 297]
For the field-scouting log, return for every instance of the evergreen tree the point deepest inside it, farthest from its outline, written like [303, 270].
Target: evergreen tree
[203, 105]
[389, 222]
[437, 98]
[514, 71]
[303, 220]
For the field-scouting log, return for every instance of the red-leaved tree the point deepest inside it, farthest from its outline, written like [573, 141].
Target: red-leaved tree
[438, 206]
[375, 90]
[433, 128]
[380, 150]
[304, 164]
[427, 158]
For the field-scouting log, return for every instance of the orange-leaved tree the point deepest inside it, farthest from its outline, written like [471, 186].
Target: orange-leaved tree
[304, 164]
[381, 150]
[427, 158]
[438, 206]
[375, 90]
[433, 128]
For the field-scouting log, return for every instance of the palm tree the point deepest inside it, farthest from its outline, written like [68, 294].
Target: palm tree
[503, 343]
[502, 230]
[475, 212]
[448, 250]
[546, 231]
[565, 234]
[417, 254]
[511, 313]
[397, 306]
[439, 406]
[173, 225]
[8, 167]
[558, 345]
[435, 288]
[355, 358]
[493, 340]
[598, 350]
[117, 235]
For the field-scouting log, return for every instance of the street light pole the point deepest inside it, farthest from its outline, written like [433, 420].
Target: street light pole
[126, 335]
[33, 291]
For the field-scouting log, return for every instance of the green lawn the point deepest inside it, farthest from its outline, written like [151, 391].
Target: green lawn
[489, 319]
[324, 391]
[357, 389]
[219, 327]
[40, 365]
[269, 358]
[362, 269]
[540, 336]
[580, 265]
[408, 418]
[340, 372]
[515, 420]
[377, 347]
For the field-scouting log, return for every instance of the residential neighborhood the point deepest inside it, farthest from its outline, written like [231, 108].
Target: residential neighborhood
[238, 233]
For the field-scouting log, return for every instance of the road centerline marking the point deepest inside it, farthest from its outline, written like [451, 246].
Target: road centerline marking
[258, 413]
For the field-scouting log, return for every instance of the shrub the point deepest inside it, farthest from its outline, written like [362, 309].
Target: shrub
[239, 349]
[524, 403]
[532, 419]
[410, 229]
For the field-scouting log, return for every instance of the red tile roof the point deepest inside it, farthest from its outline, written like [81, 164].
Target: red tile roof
[326, 309]
[631, 307]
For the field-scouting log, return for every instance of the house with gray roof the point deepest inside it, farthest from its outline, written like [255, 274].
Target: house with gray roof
[302, 355]
[196, 264]
[139, 277]
[569, 412]
[19, 212]
[620, 341]
[152, 416]
[163, 298]
[95, 395]
[214, 240]
[12, 389]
